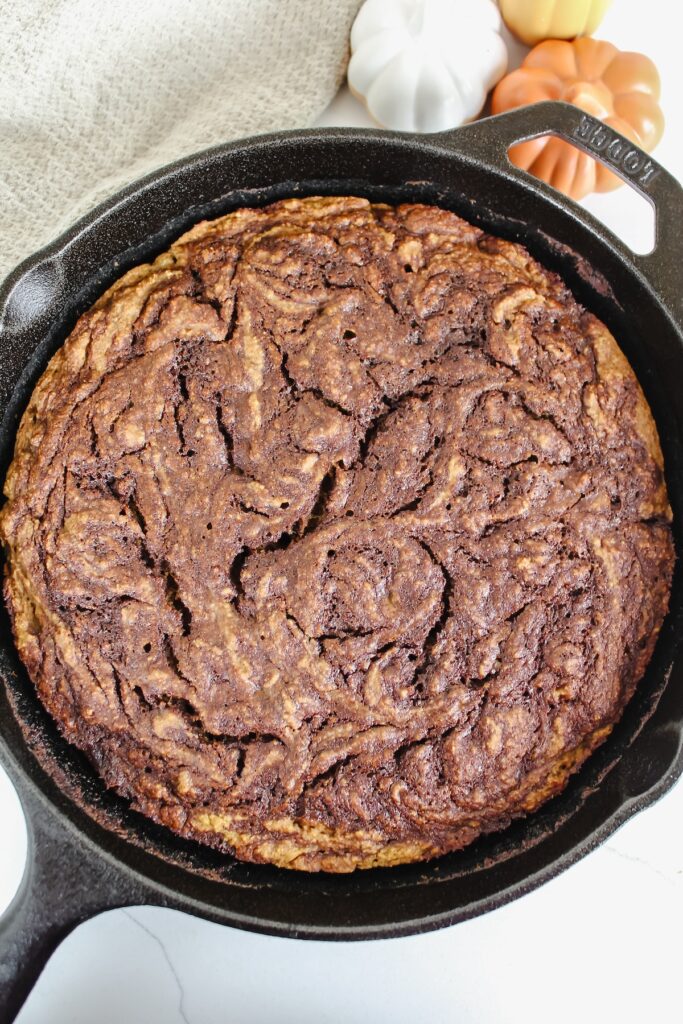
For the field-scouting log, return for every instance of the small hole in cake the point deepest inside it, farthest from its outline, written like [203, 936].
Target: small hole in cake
[615, 500]
[412, 657]
[349, 512]
[408, 269]
[147, 648]
[348, 335]
[331, 553]
[191, 452]
[284, 504]
[209, 526]
[122, 512]
[437, 441]
[448, 507]
[507, 324]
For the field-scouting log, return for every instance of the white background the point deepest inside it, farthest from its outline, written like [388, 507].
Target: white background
[601, 941]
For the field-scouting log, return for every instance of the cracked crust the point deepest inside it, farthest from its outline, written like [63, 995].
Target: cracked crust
[338, 535]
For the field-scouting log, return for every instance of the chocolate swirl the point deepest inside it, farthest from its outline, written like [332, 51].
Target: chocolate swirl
[338, 535]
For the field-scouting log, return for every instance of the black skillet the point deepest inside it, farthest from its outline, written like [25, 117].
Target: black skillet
[87, 851]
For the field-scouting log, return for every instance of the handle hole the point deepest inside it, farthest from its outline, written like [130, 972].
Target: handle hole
[14, 843]
[626, 212]
[628, 215]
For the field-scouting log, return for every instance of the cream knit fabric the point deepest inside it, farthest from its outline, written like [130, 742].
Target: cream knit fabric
[95, 93]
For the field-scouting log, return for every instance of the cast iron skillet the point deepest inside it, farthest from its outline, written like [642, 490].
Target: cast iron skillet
[88, 851]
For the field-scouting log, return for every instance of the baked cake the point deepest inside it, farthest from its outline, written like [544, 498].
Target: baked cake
[338, 535]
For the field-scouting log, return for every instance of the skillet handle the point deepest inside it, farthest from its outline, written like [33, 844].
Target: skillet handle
[65, 883]
[491, 138]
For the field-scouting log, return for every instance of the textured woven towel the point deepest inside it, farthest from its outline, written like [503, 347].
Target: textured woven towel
[95, 94]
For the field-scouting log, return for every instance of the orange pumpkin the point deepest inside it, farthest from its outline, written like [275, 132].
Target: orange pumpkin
[621, 89]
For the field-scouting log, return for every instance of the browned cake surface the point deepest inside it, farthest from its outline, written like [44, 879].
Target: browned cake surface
[338, 535]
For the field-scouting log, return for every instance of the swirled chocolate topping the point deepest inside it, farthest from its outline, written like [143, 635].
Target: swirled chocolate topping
[338, 535]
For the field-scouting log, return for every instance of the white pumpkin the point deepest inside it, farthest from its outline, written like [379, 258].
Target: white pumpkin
[426, 65]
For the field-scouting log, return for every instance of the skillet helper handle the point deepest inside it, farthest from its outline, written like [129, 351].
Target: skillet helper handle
[492, 137]
[65, 883]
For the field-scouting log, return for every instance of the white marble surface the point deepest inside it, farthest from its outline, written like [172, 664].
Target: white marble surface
[601, 941]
